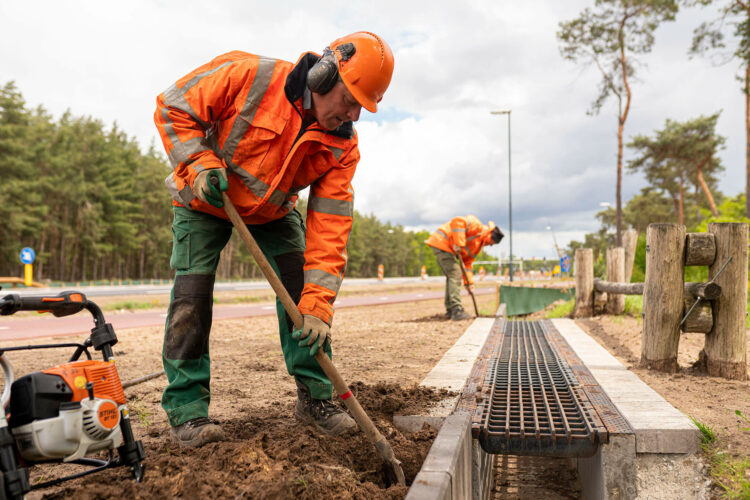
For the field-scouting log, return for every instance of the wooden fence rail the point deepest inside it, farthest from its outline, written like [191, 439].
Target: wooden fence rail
[717, 308]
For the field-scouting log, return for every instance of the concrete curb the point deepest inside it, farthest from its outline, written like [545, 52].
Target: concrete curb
[659, 427]
[446, 472]
[451, 374]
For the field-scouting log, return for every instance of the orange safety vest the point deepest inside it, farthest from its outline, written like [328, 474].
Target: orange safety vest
[244, 112]
[468, 233]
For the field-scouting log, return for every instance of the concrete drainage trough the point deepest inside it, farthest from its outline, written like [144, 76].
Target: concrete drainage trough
[649, 450]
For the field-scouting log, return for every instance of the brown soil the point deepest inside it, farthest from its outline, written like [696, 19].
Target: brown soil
[388, 349]
[709, 400]
[270, 455]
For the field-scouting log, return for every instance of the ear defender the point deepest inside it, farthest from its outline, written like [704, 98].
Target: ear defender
[496, 235]
[324, 74]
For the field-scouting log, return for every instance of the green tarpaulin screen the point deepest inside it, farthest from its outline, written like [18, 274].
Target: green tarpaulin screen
[525, 300]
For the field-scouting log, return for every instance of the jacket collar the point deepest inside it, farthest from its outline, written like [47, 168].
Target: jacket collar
[296, 84]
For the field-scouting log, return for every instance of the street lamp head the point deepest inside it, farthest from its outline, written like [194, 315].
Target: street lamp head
[500, 112]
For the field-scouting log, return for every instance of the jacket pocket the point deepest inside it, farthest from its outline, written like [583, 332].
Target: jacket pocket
[264, 130]
[180, 260]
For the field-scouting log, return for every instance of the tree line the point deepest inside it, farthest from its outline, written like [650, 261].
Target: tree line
[93, 206]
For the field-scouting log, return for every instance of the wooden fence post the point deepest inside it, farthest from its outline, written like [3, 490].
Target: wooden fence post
[663, 296]
[584, 263]
[615, 274]
[629, 243]
[723, 354]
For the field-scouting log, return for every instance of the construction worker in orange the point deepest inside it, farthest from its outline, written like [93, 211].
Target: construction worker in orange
[261, 130]
[462, 237]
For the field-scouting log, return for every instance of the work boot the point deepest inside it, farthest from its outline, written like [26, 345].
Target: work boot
[322, 413]
[458, 314]
[197, 432]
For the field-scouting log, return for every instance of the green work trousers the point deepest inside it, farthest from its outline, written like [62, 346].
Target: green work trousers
[198, 241]
[452, 271]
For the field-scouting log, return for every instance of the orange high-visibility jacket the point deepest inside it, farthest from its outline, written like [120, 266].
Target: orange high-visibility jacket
[244, 113]
[468, 233]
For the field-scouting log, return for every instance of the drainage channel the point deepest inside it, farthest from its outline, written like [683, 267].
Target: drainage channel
[532, 402]
[531, 422]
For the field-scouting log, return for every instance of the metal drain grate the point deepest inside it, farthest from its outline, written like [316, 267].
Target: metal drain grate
[536, 406]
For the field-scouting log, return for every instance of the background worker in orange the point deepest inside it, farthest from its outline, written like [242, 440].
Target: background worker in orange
[464, 237]
[262, 130]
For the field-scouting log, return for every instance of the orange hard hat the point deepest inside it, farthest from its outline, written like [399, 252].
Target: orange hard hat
[367, 72]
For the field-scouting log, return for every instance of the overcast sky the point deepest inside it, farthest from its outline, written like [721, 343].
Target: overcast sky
[433, 151]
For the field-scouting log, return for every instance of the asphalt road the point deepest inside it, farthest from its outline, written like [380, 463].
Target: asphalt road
[102, 291]
[82, 322]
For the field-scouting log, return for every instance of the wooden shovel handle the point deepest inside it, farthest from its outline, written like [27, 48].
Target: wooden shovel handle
[466, 279]
[342, 389]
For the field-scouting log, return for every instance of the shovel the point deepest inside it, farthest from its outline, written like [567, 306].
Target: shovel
[342, 389]
[466, 279]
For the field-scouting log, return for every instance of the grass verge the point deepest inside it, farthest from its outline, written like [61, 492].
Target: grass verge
[634, 305]
[563, 310]
[132, 305]
[729, 472]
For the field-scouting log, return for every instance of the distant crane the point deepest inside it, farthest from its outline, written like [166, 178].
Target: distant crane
[559, 252]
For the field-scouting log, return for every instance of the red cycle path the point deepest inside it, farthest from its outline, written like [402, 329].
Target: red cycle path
[81, 323]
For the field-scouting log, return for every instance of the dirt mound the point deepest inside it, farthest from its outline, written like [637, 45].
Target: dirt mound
[271, 455]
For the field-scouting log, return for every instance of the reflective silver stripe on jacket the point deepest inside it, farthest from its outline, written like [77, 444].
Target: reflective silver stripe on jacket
[443, 233]
[183, 197]
[289, 203]
[182, 151]
[258, 89]
[337, 152]
[473, 237]
[331, 206]
[324, 279]
[174, 97]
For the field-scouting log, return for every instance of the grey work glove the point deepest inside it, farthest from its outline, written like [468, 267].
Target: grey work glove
[314, 333]
[208, 190]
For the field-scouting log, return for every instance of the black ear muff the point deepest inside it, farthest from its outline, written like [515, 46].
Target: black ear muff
[496, 235]
[324, 74]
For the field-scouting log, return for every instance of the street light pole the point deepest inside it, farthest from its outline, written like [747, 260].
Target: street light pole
[510, 191]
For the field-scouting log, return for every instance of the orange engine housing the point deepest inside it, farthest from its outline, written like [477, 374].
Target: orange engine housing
[102, 374]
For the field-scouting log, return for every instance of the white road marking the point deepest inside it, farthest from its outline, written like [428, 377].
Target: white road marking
[4, 328]
[163, 315]
[383, 298]
[268, 307]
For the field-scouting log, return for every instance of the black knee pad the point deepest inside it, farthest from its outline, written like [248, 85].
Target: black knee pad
[292, 275]
[189, 317]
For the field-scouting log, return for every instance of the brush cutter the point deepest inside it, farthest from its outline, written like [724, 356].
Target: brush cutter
[66, 412]
[384, 449]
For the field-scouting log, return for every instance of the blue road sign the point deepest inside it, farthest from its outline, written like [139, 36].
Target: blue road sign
[27, 255]
[565, 264]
